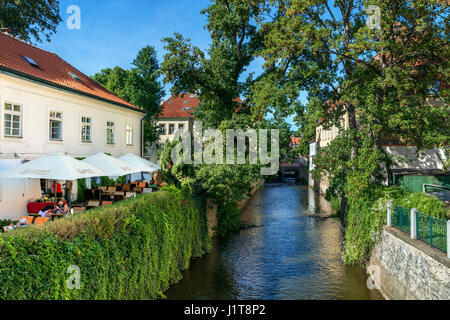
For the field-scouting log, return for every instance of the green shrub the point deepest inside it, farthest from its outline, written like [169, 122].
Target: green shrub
[424, 203]
[4, 223]
[132, 250]
[367, 216]
[364, 222]
[228, 219]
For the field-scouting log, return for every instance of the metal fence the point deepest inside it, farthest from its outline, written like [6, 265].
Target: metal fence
[432, 230]
[428, 229]
[401, 219]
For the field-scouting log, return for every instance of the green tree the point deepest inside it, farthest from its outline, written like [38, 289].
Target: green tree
[30, 19]
[381, 78]
[216, 74]
[140, 86]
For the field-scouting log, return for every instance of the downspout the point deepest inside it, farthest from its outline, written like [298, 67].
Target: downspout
[142, 138]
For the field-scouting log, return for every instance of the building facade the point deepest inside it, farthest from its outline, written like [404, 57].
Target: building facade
[176, 116]
[48, 106]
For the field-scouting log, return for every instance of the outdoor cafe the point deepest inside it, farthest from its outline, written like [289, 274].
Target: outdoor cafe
[62, 170]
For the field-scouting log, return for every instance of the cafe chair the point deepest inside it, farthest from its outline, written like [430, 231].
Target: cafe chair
[130, 194]
[119, 195]
[29, 220]
[92, 204]
[40, 221]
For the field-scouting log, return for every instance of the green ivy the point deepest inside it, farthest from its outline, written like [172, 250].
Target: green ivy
[367, 216]
[132, 250]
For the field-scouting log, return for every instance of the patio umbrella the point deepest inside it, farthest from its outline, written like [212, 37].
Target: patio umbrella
[114, 167]
[138, 162]
[53, 167]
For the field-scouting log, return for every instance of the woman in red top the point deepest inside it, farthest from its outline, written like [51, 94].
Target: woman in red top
[58, 189]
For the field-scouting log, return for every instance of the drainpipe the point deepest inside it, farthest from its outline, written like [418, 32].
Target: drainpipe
[142, 138]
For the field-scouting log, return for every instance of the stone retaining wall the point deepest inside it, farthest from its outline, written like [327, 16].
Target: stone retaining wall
[410, 269]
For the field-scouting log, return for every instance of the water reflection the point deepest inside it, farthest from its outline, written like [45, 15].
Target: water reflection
[288, 255]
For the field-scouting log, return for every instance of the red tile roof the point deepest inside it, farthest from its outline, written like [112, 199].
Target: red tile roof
[173, 107]
[52, 70]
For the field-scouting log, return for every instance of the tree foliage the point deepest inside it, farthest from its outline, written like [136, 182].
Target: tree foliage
[139, 85]
[215, 74]
[30, 19]
[381, 78]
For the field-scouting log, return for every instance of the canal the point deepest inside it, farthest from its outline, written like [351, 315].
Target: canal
[287, 255]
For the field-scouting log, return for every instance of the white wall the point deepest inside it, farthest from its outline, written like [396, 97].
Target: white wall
[163, 138]
[16, 193]
[37, 101]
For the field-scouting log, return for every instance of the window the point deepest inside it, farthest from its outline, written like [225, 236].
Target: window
[162, 128]
[186, 108]
[30, 61]
[13, 120]
[110, 132]
[186, 101]
[129, 135]
[181, 128]
[55, 127]
[73, 75]
[171, 128]
[86, 130]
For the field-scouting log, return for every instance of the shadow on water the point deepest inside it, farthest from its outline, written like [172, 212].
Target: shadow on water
[288, 255]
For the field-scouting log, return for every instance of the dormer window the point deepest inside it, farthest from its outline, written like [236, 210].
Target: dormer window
[186, 101]
[30, 61]
[171, 101]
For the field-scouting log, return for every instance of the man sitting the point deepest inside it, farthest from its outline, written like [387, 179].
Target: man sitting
[61, 208]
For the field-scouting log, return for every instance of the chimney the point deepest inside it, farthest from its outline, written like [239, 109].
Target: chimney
[6, 31]
[162, 102]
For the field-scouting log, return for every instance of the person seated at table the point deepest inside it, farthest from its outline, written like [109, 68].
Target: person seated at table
[61, 207]
[46, 211]
[152, 182]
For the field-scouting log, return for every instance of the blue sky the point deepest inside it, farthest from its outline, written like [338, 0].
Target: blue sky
[113, 31]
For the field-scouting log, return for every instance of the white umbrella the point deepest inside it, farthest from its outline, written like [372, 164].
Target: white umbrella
[138, 162]
[53, 167]
[114, 167]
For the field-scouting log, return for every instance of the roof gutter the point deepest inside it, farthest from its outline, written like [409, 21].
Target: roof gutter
[64, 88]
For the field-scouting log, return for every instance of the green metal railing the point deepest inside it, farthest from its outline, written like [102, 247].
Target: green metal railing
[401, 219]
[428, 229]
[432, 230]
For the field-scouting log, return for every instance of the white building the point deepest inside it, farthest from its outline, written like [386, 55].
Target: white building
[48, 106]
[176, 115]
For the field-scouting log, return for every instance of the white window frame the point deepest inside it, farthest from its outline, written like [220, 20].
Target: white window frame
[162, 131]
[55, 119]
[181, 128]
[113, 133]
[12, 113]
[82, 125]
[171, 129]
[129, 135]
